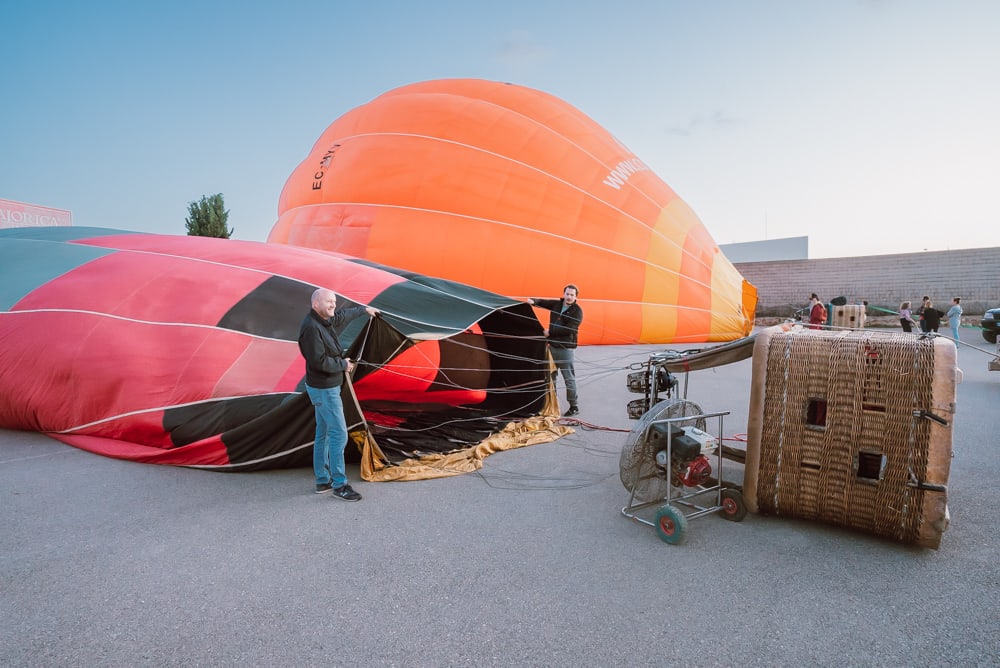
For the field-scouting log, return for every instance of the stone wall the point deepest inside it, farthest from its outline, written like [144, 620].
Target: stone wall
[884, 280]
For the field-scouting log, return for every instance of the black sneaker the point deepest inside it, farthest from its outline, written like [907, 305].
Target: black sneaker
[573, 410]
[324, 488]
[346, 493]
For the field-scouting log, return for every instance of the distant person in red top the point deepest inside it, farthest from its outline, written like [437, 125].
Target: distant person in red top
[817, 312]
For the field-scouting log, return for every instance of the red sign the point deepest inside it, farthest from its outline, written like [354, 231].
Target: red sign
[19, 214]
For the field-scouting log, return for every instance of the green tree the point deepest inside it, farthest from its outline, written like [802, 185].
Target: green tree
[208, 218]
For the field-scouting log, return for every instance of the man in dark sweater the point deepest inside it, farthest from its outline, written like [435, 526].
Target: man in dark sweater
[325, 368]
[565, 316]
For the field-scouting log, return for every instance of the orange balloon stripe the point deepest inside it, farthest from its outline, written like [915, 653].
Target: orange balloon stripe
[486, 181]
[629, 237]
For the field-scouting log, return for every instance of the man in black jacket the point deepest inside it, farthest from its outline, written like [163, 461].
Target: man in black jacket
[325, 367]
[565, 316]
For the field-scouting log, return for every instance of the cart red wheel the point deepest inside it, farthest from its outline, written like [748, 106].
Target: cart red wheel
[671, 524]
[733, 507]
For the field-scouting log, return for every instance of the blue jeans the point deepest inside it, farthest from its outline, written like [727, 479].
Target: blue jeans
[331, 436]
[563, 357]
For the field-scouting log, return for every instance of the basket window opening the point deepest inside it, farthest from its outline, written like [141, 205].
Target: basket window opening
[871, 466]
[816, 413]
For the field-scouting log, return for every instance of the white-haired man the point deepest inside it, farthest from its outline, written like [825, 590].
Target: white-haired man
[325, 368]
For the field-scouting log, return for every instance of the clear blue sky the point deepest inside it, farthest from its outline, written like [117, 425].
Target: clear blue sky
[872, 126]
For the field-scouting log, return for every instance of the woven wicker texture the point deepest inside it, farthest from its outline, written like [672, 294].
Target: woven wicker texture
[840, 441]
[849, 315]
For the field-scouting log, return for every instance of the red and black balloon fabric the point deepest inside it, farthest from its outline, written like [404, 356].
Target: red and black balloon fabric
[182, 350]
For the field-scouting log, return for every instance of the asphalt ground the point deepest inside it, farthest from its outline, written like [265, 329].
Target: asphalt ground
[527, 563]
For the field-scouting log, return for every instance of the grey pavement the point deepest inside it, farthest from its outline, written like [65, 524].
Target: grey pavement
[527, 563]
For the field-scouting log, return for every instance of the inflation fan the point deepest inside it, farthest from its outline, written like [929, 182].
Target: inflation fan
[666, 463]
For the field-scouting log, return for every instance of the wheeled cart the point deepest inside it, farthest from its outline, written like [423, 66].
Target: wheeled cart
[666, 464]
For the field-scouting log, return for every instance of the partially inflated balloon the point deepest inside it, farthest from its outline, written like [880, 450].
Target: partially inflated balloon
[183, 350]
[517, 192]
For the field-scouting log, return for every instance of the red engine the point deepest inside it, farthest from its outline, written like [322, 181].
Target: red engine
[688, 466]
[697, 472]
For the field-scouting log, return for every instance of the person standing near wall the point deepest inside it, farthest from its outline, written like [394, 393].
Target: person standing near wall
[920, 313]
[931, 317]
[817, 312]
[906, 317]
[954, 316]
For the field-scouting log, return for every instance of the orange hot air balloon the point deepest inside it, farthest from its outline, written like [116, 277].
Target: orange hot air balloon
[512, 190]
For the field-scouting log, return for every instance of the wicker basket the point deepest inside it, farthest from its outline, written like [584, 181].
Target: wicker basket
[851, 316]
[853, 428]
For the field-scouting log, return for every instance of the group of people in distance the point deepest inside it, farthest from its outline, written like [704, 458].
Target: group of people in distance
[929, 318]
[327, 364]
